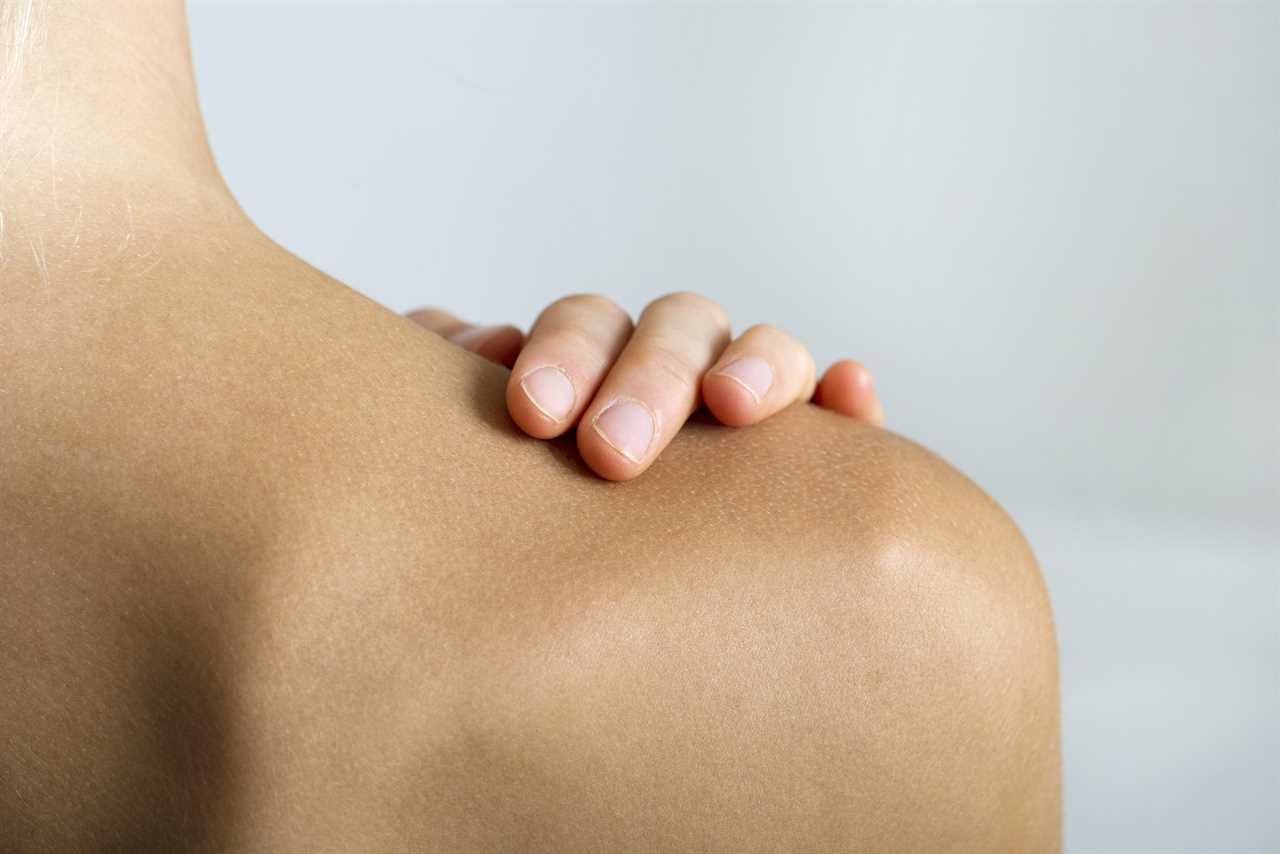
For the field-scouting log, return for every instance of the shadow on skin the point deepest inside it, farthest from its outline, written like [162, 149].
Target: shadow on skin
[489, 405]
[126, 727]
[190, 704]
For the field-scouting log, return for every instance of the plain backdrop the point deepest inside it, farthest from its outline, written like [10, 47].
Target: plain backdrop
[1053, 232]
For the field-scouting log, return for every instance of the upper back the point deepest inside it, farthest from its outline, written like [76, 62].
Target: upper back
[281, 570]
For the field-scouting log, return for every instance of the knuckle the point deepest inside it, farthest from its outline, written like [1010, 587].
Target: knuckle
[586, 321]
[768, 332]
[595, 303]
[436, 320]
[661, 355]
[576, 340]
[688, 301]
[429, 314]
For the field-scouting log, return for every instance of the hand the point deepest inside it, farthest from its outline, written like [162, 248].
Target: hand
[584, 361]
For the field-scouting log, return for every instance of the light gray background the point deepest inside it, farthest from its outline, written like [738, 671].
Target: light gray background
[1052, 231]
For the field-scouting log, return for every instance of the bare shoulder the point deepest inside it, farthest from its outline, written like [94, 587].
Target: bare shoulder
[328, 592]
[810, 634]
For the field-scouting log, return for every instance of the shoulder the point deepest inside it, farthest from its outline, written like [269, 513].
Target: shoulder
[807, 634]
[320, 517]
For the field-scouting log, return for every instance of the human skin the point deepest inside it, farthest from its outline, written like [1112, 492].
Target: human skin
[584, 361]
[281, 575]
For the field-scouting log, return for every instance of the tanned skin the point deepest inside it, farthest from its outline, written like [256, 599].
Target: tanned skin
[279, 574]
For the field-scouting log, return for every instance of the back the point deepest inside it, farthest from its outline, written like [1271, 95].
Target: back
[280, 575]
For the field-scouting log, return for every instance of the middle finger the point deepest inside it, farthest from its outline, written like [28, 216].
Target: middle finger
[654, 386]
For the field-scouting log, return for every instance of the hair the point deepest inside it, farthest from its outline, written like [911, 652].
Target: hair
[21, 31]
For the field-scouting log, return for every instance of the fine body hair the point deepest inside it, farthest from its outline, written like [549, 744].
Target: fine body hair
[21, 31]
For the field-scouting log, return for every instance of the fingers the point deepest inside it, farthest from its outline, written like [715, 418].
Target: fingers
[847, 388]
[499, 344]
[633, 388]
[763, 371]
[571, 347]
[654, 386]
[766, 370]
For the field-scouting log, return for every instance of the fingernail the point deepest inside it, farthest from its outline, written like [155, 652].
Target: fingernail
[472, 335]
[752, 373]
[628, 426]
[550, 390]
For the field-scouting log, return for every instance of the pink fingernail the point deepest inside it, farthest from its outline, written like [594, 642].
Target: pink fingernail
[753, 373]
[550, 390]
[628, 426]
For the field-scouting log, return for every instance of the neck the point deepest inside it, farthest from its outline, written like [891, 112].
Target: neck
[91, 88]
[102, 146]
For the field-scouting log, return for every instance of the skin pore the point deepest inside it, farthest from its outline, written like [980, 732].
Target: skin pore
[280, 574]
